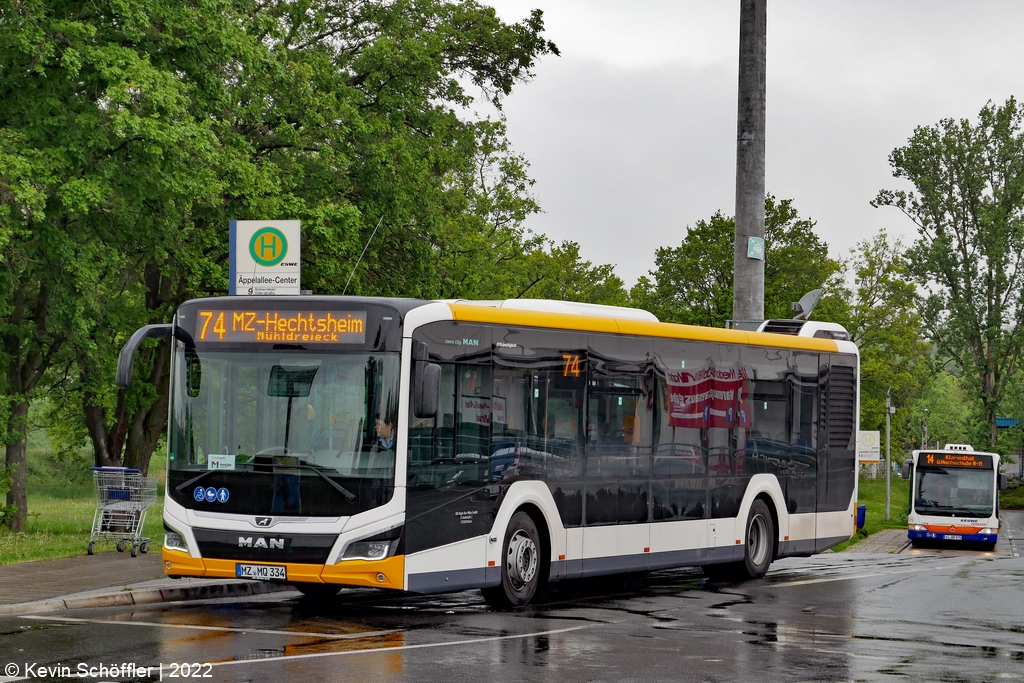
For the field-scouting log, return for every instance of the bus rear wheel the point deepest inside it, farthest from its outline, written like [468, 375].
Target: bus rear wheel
[521, 565]
[760, 540]
[757, 552]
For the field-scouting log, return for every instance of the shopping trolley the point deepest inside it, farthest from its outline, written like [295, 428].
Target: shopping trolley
[122, 497]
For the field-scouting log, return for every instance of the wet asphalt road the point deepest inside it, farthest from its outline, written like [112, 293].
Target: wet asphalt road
[930, 615]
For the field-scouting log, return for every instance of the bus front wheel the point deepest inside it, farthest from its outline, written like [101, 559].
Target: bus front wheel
[521, 565]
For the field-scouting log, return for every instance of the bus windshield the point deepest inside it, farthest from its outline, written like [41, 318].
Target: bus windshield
[950, 491]
[283, 432]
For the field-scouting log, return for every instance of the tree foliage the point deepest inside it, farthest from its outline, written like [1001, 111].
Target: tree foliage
[885, 323]
[132, 132]
[967, 202]
[692, 283]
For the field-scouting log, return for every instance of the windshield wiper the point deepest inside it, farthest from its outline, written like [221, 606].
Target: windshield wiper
[180, 487]
[349, 496]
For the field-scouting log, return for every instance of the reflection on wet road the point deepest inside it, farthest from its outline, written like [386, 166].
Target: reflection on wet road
[924, 615]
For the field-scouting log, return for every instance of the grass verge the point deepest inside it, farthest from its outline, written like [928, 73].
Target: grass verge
[61, 502]
[871, 492]
[1012, 498]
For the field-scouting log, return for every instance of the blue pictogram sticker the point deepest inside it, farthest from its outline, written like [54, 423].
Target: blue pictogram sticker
[211, 494]
[199, 494]
[223, 495]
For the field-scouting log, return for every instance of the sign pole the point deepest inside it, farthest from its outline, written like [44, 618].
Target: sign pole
[888, 462]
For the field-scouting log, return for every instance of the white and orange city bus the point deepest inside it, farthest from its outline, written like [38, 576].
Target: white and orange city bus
[439, 446]
[954, 495]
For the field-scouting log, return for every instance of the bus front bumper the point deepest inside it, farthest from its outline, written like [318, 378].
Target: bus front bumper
[947, 536]
[388, 573]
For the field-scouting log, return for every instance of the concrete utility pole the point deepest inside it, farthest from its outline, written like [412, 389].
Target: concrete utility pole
[748, 245]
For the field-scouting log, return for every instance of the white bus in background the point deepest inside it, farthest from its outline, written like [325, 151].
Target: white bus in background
[954, 495]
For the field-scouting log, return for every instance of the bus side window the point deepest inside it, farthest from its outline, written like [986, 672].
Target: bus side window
[431, 440]
[618, 449]
[680, 467]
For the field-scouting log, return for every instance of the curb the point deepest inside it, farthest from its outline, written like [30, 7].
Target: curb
[123, 598]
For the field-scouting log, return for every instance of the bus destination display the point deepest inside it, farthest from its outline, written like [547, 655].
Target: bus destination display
[956, 460]
[323, 327]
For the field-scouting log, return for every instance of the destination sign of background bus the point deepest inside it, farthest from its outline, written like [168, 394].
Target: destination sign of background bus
[265, 258]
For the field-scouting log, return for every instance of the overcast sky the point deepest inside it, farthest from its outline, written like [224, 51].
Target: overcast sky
[631, 132]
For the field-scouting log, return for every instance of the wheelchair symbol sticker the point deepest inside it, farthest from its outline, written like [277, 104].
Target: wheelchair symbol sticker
[199, 494]
[211, 494]
[223, 495]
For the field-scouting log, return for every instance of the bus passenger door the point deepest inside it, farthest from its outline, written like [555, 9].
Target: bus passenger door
[539, 393]
[837, 467]
[616, 537]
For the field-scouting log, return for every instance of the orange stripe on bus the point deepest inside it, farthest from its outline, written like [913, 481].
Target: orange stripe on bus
[953, 528]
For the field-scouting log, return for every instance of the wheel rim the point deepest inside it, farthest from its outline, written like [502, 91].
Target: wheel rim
[521, 561]
[757, 540]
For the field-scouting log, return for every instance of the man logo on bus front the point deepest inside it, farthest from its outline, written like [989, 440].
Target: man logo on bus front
[264, 521]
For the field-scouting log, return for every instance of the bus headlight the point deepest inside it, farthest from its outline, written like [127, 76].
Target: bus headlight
[918, 527]
[174, 541]
[368, 550]
[377, 547]
[989, 531]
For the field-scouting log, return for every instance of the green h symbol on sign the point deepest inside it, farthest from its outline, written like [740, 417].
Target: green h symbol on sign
[268, 246]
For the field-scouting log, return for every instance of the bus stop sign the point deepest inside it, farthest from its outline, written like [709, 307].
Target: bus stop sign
[265, 258]
[868, 447]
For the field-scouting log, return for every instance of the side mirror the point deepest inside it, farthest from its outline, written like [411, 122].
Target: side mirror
[906, 469]
[126, 359]
[428, 388]
[1002, 481]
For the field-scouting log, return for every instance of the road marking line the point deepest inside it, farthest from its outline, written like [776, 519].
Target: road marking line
[196, 627]
[399, 648]
[804, 582]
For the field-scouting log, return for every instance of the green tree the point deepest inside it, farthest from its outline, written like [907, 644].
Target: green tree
[94, 123]
[885, 323]
[481, 251]
[559, 272]
[692, 283]
[967, 202]
[141, 128]
[949, 413]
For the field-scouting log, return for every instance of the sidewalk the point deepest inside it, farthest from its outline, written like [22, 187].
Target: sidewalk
[108, 580]
[884, 541]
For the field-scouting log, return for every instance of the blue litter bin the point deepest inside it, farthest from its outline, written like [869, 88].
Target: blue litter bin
[862, 512]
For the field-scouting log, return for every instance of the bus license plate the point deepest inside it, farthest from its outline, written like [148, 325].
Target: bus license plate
[261, 572]
[954, 537]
